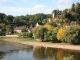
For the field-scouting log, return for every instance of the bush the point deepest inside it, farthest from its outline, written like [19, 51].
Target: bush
[0, 34]
[72, 35]
[23, 30]
[38, 32]
[49, 27]
[54, 34]
[48, 36]
[26, 34]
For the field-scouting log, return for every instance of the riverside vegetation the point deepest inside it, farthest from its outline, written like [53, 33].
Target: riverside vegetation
[65, 29]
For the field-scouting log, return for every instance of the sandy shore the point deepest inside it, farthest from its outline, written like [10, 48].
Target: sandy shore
[52, 45]
[70, 47]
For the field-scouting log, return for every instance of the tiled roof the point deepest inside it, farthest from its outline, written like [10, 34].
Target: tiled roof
[20, 28]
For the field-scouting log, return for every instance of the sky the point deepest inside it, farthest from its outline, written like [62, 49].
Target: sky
[24, 7]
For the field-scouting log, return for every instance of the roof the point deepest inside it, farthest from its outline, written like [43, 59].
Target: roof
[20, 28]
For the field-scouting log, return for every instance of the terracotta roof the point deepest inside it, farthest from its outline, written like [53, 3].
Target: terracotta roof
[20, 28]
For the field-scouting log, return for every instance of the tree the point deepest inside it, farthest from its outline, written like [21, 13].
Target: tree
[65, 14]
[60, 33]
[73, 13]
[44, 21]
[73, 7]
[72, 35]
[8, 29]
[2, 15]
[49, 27]
[2, 25]
[10, 18]
[39, 32]
[48, 36]
[54, 34]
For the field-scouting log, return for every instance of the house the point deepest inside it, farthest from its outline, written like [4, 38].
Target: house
[3, 32]
[56, 14]
[38, 24]
[19, 29]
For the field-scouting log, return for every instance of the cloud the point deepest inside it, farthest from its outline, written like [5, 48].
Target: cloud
[64, 1]
[3, 0]
[38, 7]
[22, 9]
[63, 4]
[35, 9]
[62, 7]
[14, 9]
[49, 10]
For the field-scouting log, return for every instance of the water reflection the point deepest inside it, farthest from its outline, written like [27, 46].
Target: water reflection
[22, 54]
[34, 53]
[54, 54]
[44, 53]
[1, 54]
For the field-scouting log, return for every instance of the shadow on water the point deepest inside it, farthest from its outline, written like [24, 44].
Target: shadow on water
[1, 54]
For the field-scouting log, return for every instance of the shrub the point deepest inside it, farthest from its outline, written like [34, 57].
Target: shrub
[23, 30]
[54, 34]
[49, 27]
[72, 35]
[26, 34]
[0, 34]
[48, 36]
[38, 32]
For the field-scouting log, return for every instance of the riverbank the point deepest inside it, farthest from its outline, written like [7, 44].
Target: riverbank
[43, 44]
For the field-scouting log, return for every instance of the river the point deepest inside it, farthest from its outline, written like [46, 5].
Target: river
[15, 51]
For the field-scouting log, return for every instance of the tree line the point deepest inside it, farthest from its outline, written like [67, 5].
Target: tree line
[58, 30]
[55, 30]
[27, 20]
[23, 20]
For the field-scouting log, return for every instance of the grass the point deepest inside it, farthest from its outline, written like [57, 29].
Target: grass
[18, 39]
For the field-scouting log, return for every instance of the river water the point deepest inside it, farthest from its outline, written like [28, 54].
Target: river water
[15, 51]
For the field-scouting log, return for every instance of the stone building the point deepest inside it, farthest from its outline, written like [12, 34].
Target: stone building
[56, 14]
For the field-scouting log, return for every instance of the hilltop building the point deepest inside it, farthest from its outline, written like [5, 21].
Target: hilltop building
[56, 14]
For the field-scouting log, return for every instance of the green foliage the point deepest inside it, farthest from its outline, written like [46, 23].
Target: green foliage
[2, 16]
[0, 34]
[54, 34]
[68, 58]
[44, 21]
[48, 36]
[49, 27]
[8, 29]
[65, 14]
[72, 35]
[39, 32]
[2, 25]
[23, 30]
[51, 35]
[73, 13]
[26, 34]
[30, 19]
[42, 33]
